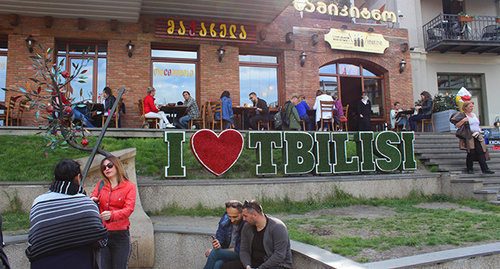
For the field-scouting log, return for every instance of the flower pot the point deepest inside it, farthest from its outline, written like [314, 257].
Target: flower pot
[465, 19]
[498, 20]
[442, 122]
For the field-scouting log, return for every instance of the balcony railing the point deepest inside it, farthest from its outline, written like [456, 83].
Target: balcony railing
[464, 34]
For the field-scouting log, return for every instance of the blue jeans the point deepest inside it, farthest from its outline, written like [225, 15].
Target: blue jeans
[403, 121]
[183, 122]
[413, 119]
[80, 116]
[218, 257]
[116, 254]
[308, 121]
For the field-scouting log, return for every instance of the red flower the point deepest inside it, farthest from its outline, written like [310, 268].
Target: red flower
[68, 109]
[85, 142]
[50, 109]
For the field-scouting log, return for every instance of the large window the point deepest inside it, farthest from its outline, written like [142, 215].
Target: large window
[259, 74]
[96, 68]
[3, 72]
[347, 81]
[452, 83]
[173, 72]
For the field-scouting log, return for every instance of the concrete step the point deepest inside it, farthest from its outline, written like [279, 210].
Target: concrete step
[433, 151]
[443, 156]
[456, 161]
[440, 146]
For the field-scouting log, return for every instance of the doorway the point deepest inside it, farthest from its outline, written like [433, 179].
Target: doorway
[350, 89]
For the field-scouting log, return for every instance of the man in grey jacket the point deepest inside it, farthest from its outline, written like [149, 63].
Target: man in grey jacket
[264, 240]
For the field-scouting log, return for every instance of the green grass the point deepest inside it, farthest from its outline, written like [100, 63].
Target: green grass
[150, 158]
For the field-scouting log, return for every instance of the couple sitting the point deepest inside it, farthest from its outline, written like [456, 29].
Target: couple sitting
[248, 238]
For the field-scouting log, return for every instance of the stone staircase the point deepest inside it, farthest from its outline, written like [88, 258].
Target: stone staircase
[441, 150]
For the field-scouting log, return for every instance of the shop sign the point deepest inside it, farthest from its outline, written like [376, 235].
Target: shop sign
[321, 152]
[356, 41]
[205, 30]
[345, 11]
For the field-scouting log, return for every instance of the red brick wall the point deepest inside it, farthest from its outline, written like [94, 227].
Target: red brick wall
[213, 76]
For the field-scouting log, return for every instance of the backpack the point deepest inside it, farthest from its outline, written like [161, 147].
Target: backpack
[284, 116]
[278, 122]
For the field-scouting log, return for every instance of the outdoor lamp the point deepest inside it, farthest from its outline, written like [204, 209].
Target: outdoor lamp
[303, 58]
[402, 66]
[221, 52]
[130, 48]
[30, 43]
[343, 27]
[371, 30]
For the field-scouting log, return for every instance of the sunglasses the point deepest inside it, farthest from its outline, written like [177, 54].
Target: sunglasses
[233, 205]
[253, 205]
[109, 165]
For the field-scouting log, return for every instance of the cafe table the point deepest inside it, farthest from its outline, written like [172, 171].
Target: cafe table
[174, 111]
[243, 112]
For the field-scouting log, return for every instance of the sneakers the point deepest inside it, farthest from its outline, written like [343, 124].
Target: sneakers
[170, 125]
[470, 171]
[488, 171]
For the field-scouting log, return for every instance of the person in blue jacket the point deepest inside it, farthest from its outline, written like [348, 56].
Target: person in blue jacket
[227, 110]
[226, 244]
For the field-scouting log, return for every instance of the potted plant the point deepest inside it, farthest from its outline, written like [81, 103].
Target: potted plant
[465, 17]
[497, 19]
[445, 105]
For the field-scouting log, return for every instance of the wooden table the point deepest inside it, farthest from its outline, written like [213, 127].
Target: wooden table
[243, 112]
[404, 113]
[95, 106]
[174, 111]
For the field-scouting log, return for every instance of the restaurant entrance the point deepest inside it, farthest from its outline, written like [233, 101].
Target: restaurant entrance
[350, 94]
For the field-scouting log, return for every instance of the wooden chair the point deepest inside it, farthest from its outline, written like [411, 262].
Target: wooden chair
[326, 107]
[8, 115]
[344, 125]
[146, 121]
[429, 121]
[17, 120]
[114, 117]
[263, 125]
[303, 124]
[216, 107]
[202, 120]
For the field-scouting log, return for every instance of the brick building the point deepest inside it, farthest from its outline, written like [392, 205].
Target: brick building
[172, 52]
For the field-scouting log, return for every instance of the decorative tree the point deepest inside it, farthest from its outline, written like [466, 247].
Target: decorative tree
[45, 95]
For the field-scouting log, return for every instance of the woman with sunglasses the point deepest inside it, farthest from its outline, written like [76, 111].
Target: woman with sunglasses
[115, 195]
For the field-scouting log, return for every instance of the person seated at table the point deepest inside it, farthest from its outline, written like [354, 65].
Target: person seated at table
[261, 112]
[227, 110]
[302, 107]
[108, 100]
[151, 111]
[321, 96]
[397, 119]
[424, 111]
[292, 116]
[338, 112]
[76, 113]
[192, 111]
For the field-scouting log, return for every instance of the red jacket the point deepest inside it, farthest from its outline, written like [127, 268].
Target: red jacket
[120, 201]
[149, 104]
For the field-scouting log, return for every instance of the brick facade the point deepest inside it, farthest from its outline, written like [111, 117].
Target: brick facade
[213, 77]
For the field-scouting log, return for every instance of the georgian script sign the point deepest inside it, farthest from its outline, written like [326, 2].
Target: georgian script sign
[345, 11]
[303, 152]
[205, 30]
[356, 41]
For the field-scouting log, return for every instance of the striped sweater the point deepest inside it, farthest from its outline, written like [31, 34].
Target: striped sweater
[62, 221]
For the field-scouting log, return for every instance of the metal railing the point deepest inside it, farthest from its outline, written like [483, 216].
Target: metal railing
[448, 27]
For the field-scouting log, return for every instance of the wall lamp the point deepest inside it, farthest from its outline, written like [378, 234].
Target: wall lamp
[371, 30]
[221, 52]
[130, 48]
[343, 27]
[303, 58]
[402, 66]
[30, 43]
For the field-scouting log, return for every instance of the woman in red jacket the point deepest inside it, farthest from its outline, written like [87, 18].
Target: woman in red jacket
[115, 196]
[150, 110]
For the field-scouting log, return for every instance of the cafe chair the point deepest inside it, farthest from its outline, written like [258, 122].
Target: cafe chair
[216, 107]
[8, 115]
[200, 122]
[345, 125]
[114, 118]
[428, 121]
[147, 121]
[261, 125]
[326, 107]
[491, 32]
[303, 124]
[17, 120]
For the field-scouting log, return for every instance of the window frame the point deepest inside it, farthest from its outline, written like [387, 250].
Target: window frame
[277, 66]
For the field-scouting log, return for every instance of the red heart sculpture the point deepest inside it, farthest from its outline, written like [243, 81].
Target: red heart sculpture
[217, 153]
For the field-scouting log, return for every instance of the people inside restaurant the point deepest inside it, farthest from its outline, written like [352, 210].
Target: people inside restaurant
[261, 112]
[192, 111]
[321, 96]
[151, 110]
[364, 112]
[227, 109]
[424, 111]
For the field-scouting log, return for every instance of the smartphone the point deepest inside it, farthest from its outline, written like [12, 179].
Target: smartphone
[213, 237]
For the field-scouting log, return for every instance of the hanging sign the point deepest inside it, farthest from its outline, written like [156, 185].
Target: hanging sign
[345, 11]
[356, 41]
[205, 30]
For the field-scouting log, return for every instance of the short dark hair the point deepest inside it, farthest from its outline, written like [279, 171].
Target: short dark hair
[225, 94]
[319, 92]
[108, 91]
[253, 205]
[397, 103]
[186, 92]
[252, 93]
[66, 170]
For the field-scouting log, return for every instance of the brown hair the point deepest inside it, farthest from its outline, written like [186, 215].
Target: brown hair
[426, 94]
[466, 103]
[119, 169]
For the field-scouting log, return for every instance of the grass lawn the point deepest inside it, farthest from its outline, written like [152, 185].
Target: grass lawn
[150, 158]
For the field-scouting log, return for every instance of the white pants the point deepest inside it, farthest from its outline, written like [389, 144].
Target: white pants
[160, 115]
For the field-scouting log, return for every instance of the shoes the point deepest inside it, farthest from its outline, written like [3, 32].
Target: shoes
[488, 171]
[170, 125]
[470, 171]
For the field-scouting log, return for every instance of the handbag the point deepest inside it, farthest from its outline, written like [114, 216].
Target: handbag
[343, 119]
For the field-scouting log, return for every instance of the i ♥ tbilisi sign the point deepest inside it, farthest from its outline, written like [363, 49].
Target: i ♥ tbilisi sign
[303, 152]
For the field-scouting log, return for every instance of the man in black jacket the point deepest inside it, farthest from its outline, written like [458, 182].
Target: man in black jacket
[261, 111]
